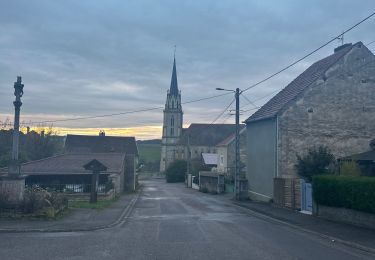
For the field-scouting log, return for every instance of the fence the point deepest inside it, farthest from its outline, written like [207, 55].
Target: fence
[72, 188]
[287, 192]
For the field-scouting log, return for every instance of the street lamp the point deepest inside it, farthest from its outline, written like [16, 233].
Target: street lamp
[237, 150]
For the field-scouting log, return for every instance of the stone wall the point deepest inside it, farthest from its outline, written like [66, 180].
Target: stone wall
[337, 111]
[347, 216]
[211, 182]
[14, 188]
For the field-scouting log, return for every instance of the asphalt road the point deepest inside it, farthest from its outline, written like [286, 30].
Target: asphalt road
[169, 221]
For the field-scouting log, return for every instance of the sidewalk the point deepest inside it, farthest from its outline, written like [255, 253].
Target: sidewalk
[358, 237]
[78, 219]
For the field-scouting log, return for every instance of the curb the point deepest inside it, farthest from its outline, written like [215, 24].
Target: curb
[120, 220]
[262, 215]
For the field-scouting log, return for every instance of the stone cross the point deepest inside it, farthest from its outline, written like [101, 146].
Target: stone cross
[96, 167]
[14, 168]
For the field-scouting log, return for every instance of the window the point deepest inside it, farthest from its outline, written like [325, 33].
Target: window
[172, 104]
[172, 131]
[172, 121]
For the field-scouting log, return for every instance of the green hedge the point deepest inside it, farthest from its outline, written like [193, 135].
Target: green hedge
[348, 192]
[176, 171]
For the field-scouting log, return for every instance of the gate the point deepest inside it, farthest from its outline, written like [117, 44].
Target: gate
[306, 197]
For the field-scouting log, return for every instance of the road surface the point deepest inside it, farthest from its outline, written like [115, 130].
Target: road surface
[169, 221]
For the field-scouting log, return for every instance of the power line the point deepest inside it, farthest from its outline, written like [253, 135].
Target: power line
[122, 113]
[226, 108]
[309, 54]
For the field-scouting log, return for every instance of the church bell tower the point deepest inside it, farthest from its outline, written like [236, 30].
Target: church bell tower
[172, 122]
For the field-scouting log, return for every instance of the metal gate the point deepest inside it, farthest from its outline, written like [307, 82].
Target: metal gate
[306, 197]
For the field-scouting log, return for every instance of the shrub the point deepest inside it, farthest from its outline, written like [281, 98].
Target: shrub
[36, 199]
[349, 168]
[176, 171]
[109, 185]
[316, 161]
[4, 200]
[343, 191]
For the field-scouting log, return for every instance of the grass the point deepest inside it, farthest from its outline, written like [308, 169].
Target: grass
[101, 204]
[149, 152]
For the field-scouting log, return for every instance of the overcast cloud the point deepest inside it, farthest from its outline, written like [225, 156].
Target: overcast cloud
[83, 58]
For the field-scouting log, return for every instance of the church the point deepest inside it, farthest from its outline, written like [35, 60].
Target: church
[178, 142]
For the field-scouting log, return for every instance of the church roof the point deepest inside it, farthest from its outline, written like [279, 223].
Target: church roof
[173, 90]
[298, 85]
[206, 134]
[100, 144]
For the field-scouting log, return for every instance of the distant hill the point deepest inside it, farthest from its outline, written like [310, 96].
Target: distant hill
[152, 141]
[149, 154]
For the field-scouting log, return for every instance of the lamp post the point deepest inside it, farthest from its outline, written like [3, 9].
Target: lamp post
[237, 141]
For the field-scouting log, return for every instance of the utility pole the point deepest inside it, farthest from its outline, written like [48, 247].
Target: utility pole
[237, 158]
[237, 94]
[188, 154]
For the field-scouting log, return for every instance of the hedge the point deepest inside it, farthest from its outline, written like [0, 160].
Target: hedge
[347, 192]
[176, 171]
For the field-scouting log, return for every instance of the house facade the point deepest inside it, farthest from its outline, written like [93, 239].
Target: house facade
[329, 104]
[226, 151]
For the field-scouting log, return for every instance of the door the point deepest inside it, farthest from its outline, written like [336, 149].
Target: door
[306, 196]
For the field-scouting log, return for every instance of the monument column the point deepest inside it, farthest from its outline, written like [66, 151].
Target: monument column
[18, 92]
[14, 182]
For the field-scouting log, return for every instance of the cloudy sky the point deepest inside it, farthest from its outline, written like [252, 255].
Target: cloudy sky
[85, 58]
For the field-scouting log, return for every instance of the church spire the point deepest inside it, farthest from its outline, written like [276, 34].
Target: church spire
[173, 90]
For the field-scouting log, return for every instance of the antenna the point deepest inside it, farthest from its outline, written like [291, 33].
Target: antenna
[341, 38]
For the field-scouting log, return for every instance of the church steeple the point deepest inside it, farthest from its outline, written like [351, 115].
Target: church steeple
[173, 90]
[172, 123]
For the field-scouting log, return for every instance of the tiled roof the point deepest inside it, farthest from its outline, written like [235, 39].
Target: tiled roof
[231, 138]
[366, 156]
[72, 164]
[100, 144]
[206, 134]
[291, 91]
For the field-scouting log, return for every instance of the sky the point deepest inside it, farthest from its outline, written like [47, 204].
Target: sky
[90, 57]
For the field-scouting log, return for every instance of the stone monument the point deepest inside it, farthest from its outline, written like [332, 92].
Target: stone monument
[14, 182]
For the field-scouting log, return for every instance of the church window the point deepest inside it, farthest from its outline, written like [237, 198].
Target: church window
[172, 131]
[172, 104]
[172, 121]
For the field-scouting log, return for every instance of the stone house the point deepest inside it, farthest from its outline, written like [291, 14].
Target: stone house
[331, 104]
[226, 152]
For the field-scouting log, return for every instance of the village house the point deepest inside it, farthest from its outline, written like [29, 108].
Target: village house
[226, 151]
[65, 172]
[330, 104]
